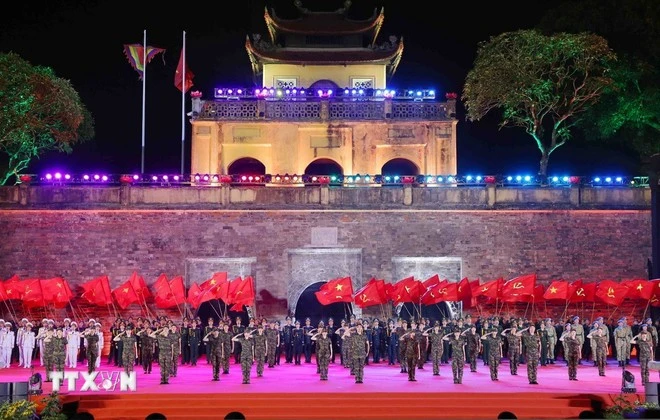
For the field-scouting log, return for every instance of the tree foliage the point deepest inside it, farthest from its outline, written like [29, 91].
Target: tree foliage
[38, 112]
[540, 83]
[629, 111]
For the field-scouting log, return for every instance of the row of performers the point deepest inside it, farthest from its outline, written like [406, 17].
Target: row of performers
[255, 349]
[294, 340]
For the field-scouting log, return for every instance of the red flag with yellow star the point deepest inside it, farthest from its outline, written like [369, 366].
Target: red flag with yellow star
[558, 290]
[125, 294]
[336, 290]
[639, 289]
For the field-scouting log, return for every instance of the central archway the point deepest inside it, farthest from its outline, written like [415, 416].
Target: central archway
[246, 166]
[308, 306]
[399, 166]
[324, 167]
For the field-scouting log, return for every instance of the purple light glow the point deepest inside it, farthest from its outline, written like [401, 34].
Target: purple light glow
[58, 175]
[136, 177]
[49, 177]
[97, 177]
[86, 177]
[104, 178]
[67, 177]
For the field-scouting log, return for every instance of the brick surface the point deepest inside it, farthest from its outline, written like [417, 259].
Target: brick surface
[80, 245]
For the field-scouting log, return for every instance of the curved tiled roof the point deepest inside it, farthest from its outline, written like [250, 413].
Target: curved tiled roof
[324, 23]
[390, 57]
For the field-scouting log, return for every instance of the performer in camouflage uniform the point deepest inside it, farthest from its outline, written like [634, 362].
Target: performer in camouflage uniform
[599, 343]
[473, 346]
[58, 350]
[175, 337]
[273, 339]
[435, 339]
[572, 344]
[324, 351]
[413, 352]
[400, 331]
[129, 348]
[165, 351]
[457, 344]
[514, 344]
[358, 350]
[645, 342]
[494, 351]
[227, 348]
[532, 344]
[247, 353]
[92, 344]
[147, 345]
[215, 351]
[260, 349]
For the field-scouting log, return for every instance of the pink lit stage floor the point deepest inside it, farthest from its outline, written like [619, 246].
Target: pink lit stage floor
[377, 378]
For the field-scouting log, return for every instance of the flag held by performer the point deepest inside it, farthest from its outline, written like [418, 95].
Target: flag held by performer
[372, 293]
[639, 289]
[139, 286]
[97, 291]
[14, 288]
[125, 295]
[135, 55]
[336, 290]
[558, 290]
[518, 289]
[194, 295]
[169, 293]
[611, 292]
[33, 295]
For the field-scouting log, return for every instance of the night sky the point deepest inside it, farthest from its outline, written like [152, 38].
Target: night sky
[83, 42]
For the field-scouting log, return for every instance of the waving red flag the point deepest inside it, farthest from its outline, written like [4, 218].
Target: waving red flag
[3, 292]
[243, 293]
[431, 281]
[434, 294]
[582, 292]
[336, 290]
[97, 291]
[611, 292]
[639, 289]
[56, 291]
[169, 293]
[125, 294]
[372, 293]
[181, 81]
[33, 295]
[408, 290]
[139, 286]
[14, 287]
[537, 296]
[194, 295]
[464, 289]
[490, 289]
[558, 290]
[518, 289]
[449, 293]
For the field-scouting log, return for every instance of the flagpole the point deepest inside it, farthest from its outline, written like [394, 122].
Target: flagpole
[144, 90]
[183, 105]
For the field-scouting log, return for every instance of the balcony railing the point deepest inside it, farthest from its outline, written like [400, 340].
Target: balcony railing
[322, 109]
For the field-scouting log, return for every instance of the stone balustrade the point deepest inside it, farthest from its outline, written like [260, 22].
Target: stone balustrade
[326, 197]
[318, 109]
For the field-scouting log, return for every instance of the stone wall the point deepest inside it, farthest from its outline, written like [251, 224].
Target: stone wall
[226, 196]
[80, 245]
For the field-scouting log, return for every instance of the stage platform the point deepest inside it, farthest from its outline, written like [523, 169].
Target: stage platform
[288, 391]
